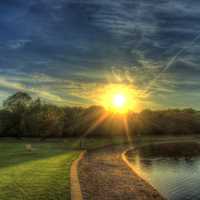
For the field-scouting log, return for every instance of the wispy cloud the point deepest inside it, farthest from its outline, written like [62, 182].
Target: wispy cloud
[14, 86]
[18, 43]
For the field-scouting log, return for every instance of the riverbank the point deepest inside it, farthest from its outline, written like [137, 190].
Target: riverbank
[104, 175]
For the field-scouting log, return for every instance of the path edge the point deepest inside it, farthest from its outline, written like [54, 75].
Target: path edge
[123, 156]
[126, 161]
[75, 188]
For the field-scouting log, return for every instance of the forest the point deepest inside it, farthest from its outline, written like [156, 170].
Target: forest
[23, 116]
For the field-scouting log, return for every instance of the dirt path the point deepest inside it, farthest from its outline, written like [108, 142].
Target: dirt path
[104, 176]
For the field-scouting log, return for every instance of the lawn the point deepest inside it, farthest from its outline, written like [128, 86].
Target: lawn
[42, 174]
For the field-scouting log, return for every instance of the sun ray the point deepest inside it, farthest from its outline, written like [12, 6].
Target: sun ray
[126, 129]
[96, 123]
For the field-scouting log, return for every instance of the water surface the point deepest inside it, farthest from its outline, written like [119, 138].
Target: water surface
[173, 168]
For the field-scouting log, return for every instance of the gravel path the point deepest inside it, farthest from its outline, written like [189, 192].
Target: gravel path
[104, 176]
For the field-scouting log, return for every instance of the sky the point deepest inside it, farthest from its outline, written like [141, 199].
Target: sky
[67, 51]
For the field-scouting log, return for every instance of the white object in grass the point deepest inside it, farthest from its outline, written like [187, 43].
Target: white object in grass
[29, 147]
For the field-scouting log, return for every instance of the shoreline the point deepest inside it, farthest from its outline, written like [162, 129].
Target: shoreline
[128, 163]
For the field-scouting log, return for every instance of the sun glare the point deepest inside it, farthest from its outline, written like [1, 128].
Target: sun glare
[118, 98]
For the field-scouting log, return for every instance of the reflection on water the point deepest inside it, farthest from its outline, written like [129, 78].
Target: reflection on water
[173, 169]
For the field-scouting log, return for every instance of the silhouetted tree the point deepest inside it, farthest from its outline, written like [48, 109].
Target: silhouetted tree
[17, 105]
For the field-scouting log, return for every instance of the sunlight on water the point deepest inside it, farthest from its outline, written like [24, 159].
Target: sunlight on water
[176, 176]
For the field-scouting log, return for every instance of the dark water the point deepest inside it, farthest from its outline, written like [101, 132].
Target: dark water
[173, 169]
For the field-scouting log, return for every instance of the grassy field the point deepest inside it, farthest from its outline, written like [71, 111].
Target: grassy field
[42, 174]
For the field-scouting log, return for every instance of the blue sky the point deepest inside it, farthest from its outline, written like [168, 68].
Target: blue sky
[65, 50]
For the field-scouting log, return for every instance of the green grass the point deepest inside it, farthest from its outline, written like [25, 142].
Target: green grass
[42, 174]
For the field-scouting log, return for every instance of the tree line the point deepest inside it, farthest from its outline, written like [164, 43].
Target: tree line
[22, 116]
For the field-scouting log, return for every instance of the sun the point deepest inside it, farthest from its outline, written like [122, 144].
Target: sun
[118, 98]
[120, 102]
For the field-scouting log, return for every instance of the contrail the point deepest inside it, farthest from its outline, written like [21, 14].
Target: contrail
[171, 62]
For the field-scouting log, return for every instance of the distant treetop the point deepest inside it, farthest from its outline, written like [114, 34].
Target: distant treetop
[19, 98]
